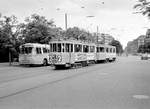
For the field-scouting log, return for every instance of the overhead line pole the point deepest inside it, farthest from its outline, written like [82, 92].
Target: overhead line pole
[66, 21]
[97, 35]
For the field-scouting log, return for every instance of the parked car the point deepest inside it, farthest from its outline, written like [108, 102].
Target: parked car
[145, 56]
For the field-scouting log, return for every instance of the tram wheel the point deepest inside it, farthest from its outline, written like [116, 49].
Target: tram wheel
[84, 64]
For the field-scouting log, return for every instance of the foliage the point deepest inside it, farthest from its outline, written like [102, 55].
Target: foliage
[39, 30]
[7, 36]
[78, 34]
[7, 25]
[143, 6]
[118, 46]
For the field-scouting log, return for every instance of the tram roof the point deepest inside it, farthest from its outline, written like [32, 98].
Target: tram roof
[71, 41]
[105, 45]
[35, 45]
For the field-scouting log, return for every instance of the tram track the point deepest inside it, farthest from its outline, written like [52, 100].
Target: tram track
[23, 76]
[73, 74]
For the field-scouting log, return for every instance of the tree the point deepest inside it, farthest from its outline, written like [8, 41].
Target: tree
[39, 30]
[143, 6]
[79, 34]
[7, 25]
[117, 44]
[7, 36]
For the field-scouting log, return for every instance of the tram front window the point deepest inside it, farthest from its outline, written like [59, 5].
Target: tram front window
[26, 50]
[54, 47]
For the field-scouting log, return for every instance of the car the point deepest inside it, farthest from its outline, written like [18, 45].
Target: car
[145, 56]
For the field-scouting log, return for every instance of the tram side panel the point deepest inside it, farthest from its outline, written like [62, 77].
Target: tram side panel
[91, 55]
[101, 56]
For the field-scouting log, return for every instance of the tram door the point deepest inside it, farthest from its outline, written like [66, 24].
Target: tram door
[69, 50]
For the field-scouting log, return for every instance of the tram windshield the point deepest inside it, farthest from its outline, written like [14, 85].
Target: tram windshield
[61, 47]
[26, 50]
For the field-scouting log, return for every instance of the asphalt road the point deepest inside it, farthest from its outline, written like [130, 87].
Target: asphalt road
[124, 84]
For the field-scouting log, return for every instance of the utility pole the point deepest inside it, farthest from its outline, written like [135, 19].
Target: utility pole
[66, 21]
[97, 35]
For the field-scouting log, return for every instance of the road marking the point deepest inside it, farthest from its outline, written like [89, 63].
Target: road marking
[141, 97]
[103, 73]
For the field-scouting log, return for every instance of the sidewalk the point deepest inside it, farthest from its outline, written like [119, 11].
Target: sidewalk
[6, 64]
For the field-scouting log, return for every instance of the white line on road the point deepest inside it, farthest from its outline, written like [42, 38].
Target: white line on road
[141, 97]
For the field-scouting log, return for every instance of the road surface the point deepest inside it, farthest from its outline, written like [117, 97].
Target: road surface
[124, 84]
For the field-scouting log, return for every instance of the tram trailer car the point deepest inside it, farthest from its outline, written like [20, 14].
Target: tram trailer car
[105, 52]
[34, 53]
[69, 53]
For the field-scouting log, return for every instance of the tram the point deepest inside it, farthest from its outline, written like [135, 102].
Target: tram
[105, 52]
[34, 53]
[68, 53]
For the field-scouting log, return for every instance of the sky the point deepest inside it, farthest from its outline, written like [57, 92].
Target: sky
[114, 17]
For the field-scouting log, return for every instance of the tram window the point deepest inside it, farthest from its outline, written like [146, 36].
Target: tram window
[63, 47]
[97, 49]
[71, 47]
[85, 48]
[58, 47]
[114, 50]
[45, 50]
[101, 49]
[92, 49]
[110, 50]
[51, 47]
[67, 47]
[107, 50]
[78, 48]
[38, 51]
[54, 47]
[48, 50]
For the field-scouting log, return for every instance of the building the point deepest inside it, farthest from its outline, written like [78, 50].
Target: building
[141, 40]
[105, 38]
[147, 39]
[132, 47]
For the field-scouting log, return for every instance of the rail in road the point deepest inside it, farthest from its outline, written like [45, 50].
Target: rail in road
[29, 82]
